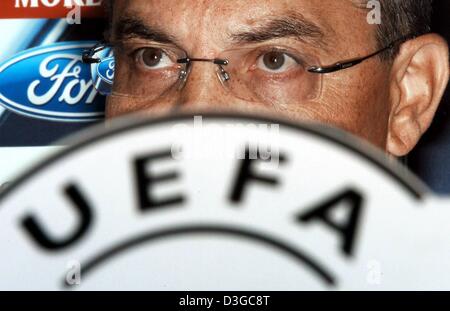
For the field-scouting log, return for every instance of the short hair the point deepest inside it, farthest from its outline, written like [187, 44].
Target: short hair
[402, 19]
[399, 19]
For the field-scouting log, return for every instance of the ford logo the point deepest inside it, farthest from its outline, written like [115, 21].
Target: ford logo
[52, 83]
[103, 75]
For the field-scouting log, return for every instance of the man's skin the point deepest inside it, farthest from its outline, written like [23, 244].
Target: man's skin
[390, 104]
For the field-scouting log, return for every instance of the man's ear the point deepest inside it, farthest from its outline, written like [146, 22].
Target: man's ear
[419, 76]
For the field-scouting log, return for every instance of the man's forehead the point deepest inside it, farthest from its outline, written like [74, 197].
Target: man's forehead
[214, 20]
[248, 12]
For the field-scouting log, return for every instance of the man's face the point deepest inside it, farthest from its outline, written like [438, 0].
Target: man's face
[356, 99]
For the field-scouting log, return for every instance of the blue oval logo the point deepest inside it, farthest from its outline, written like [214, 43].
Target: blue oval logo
[52, 83]
[105, 75]
[106, 70]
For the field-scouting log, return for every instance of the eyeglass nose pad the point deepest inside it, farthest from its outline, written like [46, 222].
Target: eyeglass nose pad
[182, 78]
[183, 75]
[223, 75]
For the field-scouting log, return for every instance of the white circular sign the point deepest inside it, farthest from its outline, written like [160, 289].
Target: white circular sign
[219, 203]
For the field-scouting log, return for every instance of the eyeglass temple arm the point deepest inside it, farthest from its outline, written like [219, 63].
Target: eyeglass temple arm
[346, 64]
[353, 62]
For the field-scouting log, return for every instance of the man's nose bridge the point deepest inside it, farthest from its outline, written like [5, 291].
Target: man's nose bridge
[203, 86]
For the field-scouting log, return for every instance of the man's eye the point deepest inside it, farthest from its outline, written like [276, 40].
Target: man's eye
[153, 58]
[276, 62]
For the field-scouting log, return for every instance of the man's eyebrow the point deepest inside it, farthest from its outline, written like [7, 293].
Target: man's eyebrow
[131, 27]
[291, 25]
